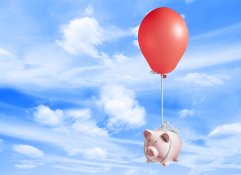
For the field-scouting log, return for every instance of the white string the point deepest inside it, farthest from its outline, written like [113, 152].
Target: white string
[162, 110]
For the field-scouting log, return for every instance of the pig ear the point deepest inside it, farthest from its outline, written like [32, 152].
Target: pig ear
[147, 133]
[165, 137]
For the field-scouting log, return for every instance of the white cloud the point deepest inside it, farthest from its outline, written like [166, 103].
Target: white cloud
[78, 114]
[89, 127]
[81, 36]
[120, 58]
[186, 113]
[77, 120]
[4, 52]
[82, 122]
[226, 129]
[46, 116]
[203, 79]
[95, 153]
[121, 106]
[28, 150]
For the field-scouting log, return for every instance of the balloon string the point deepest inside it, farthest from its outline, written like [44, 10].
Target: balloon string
[162, 110]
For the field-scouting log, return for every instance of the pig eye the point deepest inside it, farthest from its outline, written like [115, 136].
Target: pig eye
[155, 141]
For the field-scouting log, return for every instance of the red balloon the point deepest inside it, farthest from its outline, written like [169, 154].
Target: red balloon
[163, 39]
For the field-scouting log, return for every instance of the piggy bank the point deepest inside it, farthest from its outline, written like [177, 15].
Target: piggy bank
[162, 145]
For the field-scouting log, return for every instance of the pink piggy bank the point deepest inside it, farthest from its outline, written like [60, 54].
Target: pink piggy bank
[162, 146]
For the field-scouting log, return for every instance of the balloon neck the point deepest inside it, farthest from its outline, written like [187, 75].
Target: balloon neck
[163, 75]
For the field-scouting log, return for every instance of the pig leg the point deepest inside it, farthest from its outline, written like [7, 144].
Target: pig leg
[176, 159]
[166, 163]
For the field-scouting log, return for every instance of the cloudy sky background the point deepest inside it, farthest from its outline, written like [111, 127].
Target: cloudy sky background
[76, 93]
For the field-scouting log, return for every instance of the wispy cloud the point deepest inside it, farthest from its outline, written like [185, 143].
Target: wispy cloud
[30, 164]
[87, 166]
[212, 154]
[60, 70]
[217, 47]
[211, 57]
[25, 166]
[28, 150]
[95, 148]
[186, 113]
[5, 53]
[220, 34]
[226, 129]
[203, 79]
[90, 158]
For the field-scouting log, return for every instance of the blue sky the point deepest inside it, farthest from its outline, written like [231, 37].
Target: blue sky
[76, 93]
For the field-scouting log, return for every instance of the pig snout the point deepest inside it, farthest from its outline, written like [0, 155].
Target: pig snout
[151, 152]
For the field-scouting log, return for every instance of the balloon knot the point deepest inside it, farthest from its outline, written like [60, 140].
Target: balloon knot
[164, 76]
